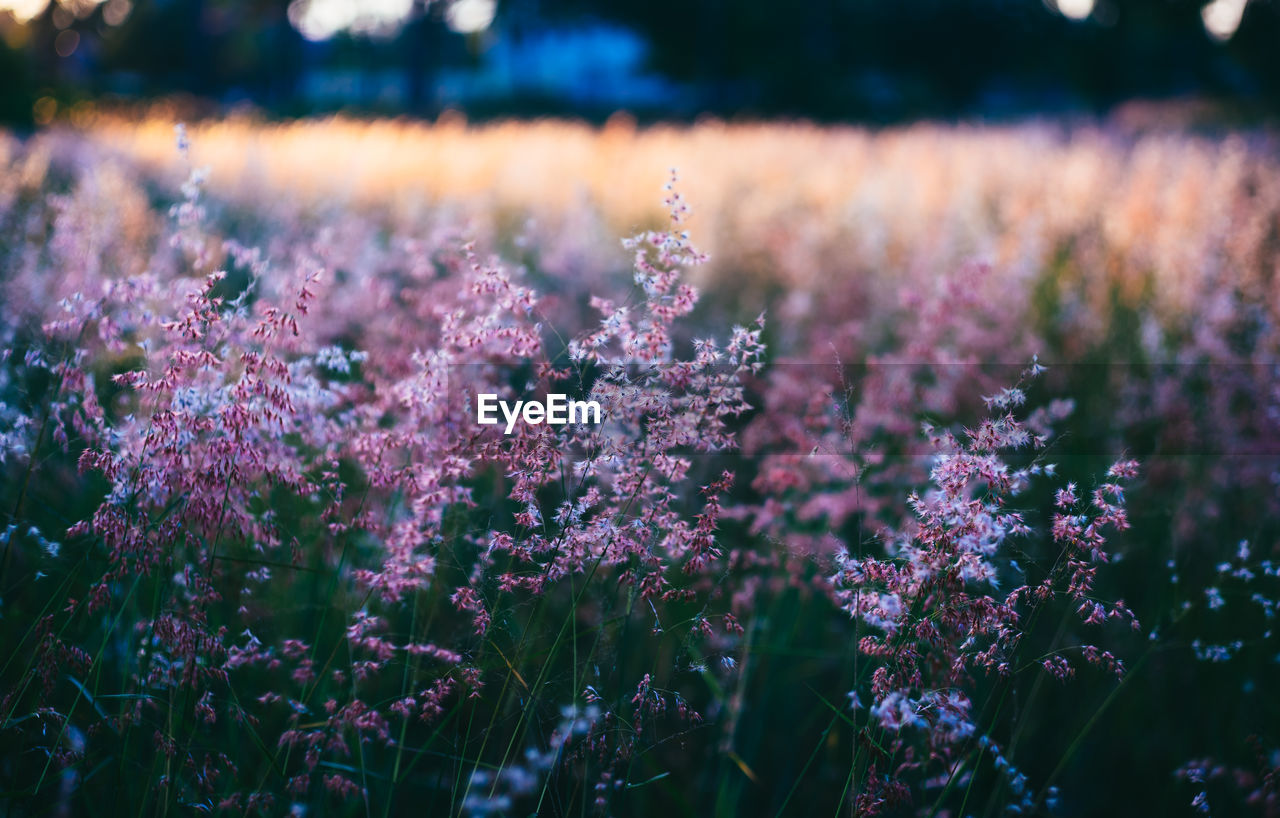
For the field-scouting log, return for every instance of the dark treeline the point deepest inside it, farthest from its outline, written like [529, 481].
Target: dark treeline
[825, 59]
[841, 57]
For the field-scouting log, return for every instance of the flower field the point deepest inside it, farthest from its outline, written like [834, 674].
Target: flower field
[939, 469]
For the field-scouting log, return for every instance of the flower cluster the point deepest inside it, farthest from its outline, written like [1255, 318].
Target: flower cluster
[260, 559]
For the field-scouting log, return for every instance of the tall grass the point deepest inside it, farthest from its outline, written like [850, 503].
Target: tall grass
[944, 483]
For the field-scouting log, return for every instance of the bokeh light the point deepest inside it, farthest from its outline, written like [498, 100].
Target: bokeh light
[470, 16]
[65, 12]
[66, 43]
[1222, 18]
[322, 19]
[116, 12]
[23, 10]
[1075, 9]
[44, 110]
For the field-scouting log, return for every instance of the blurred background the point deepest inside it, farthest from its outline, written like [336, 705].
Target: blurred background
[1096, 182]
[828, 60]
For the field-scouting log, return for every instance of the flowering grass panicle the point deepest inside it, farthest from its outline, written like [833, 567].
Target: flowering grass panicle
[260, 558]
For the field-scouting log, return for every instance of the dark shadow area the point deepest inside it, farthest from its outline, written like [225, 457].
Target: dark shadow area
[831, 60]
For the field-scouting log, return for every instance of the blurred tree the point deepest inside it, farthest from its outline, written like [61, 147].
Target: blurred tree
[17, 92]
[841, 57]
[822, 58]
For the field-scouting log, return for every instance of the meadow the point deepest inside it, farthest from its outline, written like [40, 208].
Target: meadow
[939, 471]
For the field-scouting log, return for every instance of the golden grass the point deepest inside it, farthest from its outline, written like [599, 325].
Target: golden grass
[797, 205]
